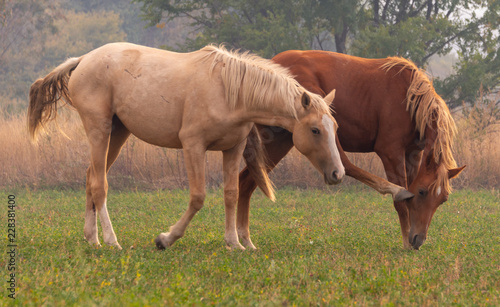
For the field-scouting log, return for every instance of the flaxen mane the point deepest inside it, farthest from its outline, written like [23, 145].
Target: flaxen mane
[258, 81]
[429, 110]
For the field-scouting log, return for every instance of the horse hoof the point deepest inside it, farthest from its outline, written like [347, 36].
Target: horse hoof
[251, 247]
[403, 195]
[159, 243]
[234, 246]
[118, 246]
[95, 244]
[248, 244]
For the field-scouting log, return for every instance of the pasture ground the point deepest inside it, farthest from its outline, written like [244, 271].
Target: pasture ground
[315, 247]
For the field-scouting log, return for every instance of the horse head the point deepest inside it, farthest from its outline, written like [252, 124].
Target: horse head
[431, 188]
[314, 136]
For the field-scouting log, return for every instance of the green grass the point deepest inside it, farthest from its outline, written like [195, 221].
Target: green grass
[315, 248]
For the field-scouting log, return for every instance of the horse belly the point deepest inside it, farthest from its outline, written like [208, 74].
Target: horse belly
[226, 140]
[156, 122]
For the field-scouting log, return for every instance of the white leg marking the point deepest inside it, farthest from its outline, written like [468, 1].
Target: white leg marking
[107, 227]
[90, 228]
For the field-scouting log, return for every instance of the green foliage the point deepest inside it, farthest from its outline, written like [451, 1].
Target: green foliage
[419, 29]
[416, 30]
[425, 28]
[478, 70]
[264, 27]
[315, 248]
[409, 39]
[341, 18]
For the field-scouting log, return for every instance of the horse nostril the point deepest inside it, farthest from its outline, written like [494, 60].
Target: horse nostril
[417, 241]
[335, 175]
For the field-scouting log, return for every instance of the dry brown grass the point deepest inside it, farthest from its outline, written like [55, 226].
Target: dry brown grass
[478, 146]
[58, 161]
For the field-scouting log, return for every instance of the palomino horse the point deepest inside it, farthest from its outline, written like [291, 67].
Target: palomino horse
[204, 100]
[388, 106]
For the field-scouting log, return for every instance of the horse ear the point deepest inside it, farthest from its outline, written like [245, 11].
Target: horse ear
[329, 98]
[454, 172]
[306, 100]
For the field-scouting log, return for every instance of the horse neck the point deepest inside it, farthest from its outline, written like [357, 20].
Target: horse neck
[268, 115]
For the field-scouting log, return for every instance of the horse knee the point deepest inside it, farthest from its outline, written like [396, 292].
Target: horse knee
[197, 200]
[231, 196]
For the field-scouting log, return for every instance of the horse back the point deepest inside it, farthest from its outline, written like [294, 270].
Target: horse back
[153, 92]
[369, 103]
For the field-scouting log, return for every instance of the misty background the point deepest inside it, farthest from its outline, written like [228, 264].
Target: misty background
[456, 41]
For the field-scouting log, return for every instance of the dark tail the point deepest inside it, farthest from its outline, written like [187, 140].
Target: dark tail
[46, 92]
[255, 158]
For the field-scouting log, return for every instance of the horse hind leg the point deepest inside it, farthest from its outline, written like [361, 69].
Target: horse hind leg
[99, 132]
[90, 228]
[119, 136]
[277, 144]
[231, 162]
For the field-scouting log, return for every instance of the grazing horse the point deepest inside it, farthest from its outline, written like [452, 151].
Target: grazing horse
[387, 106]
[203, 100]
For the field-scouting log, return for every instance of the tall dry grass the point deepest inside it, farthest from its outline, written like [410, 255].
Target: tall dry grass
[478, 143]
[60, 161]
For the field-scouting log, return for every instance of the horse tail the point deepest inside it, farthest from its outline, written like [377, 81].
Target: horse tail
[255, 158]
[46, 92]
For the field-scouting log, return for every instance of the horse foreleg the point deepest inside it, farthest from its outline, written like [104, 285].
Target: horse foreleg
[247, 186]
[278, 143]
[194, 159]
[377, 183]
[231, 160]
[395, 168]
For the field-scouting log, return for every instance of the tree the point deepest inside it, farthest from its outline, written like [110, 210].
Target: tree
[478, 69]
[420, 29]
[265, 27]
[341, 19]
[417, 29]
[20, 21]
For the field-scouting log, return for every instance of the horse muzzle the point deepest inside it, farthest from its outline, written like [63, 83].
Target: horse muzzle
[416, 240]
[334, 178]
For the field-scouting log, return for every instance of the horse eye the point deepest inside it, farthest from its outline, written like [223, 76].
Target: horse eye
[315, 130]
[422, 192]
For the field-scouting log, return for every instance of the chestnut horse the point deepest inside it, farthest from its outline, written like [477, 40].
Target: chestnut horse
[204, 100]
[387, 106]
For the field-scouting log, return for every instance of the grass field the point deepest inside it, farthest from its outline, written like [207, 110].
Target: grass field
[315, 248]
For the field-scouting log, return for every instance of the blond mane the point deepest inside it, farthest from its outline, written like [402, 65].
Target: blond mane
[429, 110]
[258, 82]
